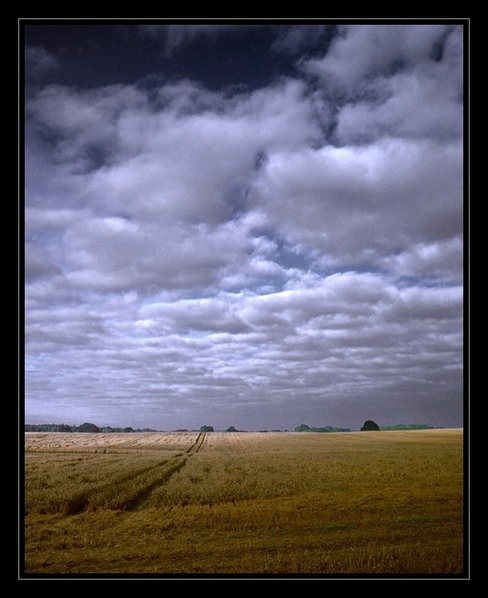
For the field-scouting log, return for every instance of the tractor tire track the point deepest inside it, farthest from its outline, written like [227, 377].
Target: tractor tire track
[141, 501]
[197, 445]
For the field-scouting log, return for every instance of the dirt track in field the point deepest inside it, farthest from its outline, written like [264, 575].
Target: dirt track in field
[173, 465]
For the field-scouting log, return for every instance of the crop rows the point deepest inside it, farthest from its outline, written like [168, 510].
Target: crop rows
[271, 466]
[95, 472]
[107, 443]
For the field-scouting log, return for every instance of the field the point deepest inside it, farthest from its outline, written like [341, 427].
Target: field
[255, 503]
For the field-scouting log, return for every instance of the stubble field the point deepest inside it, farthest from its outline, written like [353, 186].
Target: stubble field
[244, 503]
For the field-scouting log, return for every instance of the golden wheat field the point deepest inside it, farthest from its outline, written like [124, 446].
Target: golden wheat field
[249, 503]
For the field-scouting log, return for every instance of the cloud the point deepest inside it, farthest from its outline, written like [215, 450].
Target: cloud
[361, 53]
[153, 193]
[297, 39]
[439, 261]
[422, 102]
[337, 339]
[176, 36]
[346, 310]
[39, 61]
[36, 264]
[65, 326]
[392, 81]
[357, 203]
[150, 257]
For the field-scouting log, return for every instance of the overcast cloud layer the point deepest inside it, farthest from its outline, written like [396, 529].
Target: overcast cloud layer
[247, 226]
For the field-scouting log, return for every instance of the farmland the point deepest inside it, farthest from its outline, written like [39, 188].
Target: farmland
[161, 503]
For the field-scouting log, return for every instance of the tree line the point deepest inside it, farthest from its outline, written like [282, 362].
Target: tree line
[368, 425]
[305, 428]
[85, 427]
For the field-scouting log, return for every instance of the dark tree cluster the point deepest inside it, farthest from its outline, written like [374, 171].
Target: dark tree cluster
[85, 427]
[369, 426]
[49, 428]
[305, 428]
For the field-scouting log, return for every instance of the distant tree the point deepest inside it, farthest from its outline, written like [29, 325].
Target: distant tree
[231, 429]
[87, 427]
[47, 428]
[305, 428]
[369, 425]
[302, 428]
[206, 429]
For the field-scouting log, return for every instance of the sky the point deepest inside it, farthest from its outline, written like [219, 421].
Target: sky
[253, 224]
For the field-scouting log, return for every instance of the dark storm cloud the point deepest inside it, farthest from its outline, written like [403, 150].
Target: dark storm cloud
[196, 251]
